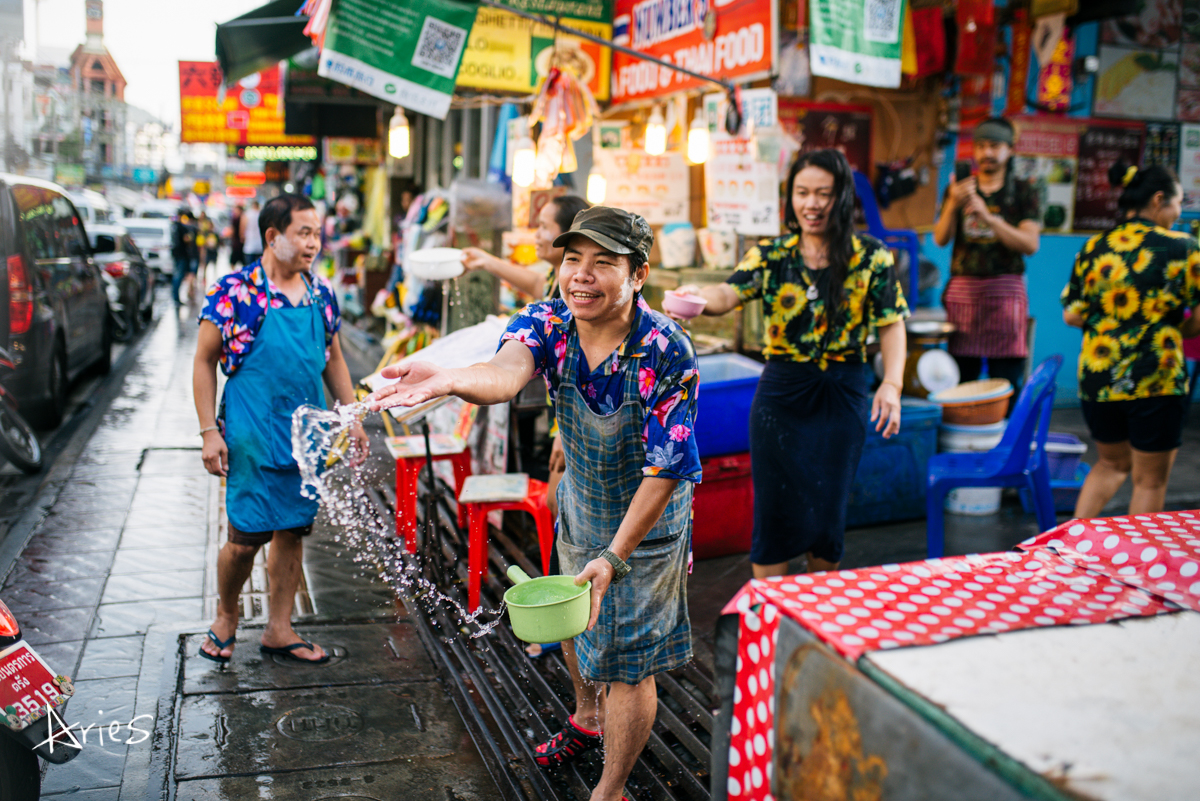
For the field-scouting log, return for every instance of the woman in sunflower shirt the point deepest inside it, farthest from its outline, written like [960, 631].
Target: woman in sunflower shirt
[1128, 292]
[824, 288]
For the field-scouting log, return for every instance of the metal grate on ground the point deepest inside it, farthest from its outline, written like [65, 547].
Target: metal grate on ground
[510, 702]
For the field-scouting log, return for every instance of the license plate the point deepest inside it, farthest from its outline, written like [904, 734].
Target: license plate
[28, 686]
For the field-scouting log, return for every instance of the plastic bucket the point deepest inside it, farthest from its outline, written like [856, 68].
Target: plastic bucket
[971, 439]
[547, 609]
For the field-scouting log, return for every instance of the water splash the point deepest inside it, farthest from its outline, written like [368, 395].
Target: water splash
[320, 444]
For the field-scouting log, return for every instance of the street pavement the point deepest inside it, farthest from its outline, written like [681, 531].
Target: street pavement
[112, 575]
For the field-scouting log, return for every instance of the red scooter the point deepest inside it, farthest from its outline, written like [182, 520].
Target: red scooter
[32, 697]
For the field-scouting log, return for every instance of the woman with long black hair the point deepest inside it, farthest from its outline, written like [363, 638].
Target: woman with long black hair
[824, 288]
[1128, 292]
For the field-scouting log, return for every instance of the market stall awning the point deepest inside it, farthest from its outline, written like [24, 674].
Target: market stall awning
[261, 38]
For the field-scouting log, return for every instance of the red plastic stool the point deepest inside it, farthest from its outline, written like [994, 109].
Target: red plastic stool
[483, 494]
[409, 453]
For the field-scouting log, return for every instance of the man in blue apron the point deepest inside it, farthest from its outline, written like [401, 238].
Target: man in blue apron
[623, 379]
[272, 328]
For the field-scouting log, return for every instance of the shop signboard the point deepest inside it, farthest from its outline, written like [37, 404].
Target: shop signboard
[820, 125]
[1189, 166]
[406, 54]
[507, 53]
[857, 41]
[69, 174]
[655, 187]
[726, 39]
[145, 175]
[340, 150]
[248, 114]
[1103, 143]
[1046, 154]
[741, 191]
[1162, 145]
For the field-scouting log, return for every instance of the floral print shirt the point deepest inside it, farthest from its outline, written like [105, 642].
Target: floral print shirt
[797, 322]
[667, 373]
[236, 304]
[1131, 285]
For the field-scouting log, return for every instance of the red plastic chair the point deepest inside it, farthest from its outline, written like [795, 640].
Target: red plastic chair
[477, 508]
[409, 453]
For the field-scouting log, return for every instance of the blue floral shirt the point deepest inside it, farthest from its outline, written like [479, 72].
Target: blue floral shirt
[236, 304]
[668, 378]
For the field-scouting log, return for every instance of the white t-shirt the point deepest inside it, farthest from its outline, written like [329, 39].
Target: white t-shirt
[253, 240]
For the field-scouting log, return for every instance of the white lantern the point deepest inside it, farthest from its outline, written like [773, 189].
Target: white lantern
[524, 160]
[597, 187]
[697, 143]
[656, 133]
[398, 135]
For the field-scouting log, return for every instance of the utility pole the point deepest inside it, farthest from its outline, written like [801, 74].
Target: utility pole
[7, 46]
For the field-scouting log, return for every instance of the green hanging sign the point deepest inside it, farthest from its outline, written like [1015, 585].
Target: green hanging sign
[407, 53]
[857, 41]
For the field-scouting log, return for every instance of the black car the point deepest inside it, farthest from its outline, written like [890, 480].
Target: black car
[54, 321]
[130, 280]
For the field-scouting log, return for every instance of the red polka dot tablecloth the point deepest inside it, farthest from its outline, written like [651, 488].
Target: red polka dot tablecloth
[1058, 580]
[1158, 552]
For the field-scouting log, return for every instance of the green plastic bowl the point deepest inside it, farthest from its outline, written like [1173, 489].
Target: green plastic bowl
[547, 609]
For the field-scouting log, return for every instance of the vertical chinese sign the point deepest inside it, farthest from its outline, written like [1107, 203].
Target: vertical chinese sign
[733, 40]
[249, 115]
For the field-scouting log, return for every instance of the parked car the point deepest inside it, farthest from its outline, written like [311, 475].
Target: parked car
[152, 235]
[131, 280]
[54, 320]
[159, 209]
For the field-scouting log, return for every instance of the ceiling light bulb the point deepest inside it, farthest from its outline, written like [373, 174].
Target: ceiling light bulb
[656, 133]
[597, 187]
[398, 135]
[524, 160]
[697, 142]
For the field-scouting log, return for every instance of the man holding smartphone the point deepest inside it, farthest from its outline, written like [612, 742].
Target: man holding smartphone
[994, 219]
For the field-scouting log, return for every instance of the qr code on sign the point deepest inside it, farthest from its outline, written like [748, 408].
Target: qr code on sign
[881, 21]
[439, 47]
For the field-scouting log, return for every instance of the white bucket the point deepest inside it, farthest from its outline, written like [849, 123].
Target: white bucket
[971, 439]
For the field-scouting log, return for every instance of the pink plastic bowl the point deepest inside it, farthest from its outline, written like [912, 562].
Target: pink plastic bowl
[686, 306]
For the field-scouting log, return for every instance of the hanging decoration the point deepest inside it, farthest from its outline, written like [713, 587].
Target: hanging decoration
[566, 109]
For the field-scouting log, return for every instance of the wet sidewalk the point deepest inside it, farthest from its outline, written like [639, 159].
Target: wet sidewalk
[117, 584]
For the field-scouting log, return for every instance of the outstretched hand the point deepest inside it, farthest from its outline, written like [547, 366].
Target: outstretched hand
[419, 382]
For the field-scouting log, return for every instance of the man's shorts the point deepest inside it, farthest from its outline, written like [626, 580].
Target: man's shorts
[1150, 425]
[255, 538]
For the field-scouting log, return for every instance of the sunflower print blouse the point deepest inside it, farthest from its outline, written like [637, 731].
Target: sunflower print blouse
[797, 323]
[1131, 285]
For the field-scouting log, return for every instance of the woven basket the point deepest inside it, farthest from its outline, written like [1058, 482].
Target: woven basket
[975, 403]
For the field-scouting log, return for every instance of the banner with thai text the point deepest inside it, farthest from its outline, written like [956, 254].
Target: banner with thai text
[249, 114]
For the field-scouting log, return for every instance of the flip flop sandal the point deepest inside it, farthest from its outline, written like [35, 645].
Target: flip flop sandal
[288, 652]
[567, 744]
[221, 646]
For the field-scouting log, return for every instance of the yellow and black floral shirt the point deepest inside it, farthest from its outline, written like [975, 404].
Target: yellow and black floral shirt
[794, 300]
[1131, 285]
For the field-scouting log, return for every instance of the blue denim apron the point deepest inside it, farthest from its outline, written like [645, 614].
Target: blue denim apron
[282, 372]
[643, 628]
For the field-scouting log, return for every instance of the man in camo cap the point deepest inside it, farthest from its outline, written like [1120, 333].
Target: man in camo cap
[623, 379]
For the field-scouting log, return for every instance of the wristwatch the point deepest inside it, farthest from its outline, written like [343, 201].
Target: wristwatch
[620, 568]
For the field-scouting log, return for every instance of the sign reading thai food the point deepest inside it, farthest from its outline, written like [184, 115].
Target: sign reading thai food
[725, 39]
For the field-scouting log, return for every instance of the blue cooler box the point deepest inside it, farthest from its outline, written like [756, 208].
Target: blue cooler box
[727, 385]
[891, 478]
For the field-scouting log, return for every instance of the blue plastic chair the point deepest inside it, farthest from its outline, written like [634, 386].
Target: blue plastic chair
[1012, 463]
[900, 239]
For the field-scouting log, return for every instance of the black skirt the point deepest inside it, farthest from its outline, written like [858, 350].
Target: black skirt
[807, 429]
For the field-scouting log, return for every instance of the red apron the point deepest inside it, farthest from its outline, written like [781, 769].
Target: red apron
[991, 315]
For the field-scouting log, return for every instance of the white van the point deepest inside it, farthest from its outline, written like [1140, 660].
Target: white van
[93, 207]
[152, 235]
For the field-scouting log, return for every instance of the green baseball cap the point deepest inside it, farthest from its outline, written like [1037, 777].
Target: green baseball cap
[616, 230]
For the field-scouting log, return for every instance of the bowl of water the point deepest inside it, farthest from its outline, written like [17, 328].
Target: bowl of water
[435, 264]
[547, 609]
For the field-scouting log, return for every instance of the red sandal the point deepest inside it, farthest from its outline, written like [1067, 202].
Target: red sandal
[566, 745]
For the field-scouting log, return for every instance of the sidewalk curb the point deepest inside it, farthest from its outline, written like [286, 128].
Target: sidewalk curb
[59, 470]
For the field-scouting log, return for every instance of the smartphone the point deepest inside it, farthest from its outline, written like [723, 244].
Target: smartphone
[962, 170]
